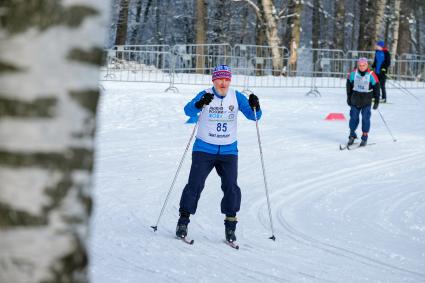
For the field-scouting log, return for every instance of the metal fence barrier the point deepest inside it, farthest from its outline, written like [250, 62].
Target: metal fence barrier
[252, 66]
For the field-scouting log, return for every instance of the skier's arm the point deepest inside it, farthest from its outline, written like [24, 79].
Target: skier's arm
[376, 91]
[387, 60]
[349, 88]
[245, 108]
[190, 109]
[374, 84]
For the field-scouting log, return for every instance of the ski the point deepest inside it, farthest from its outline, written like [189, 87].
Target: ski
[356, 147]
[232, 244]
[185, 240]
[353, 146]
[345, 146]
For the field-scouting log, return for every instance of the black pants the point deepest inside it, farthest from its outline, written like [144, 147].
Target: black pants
[382, 78]
[226, 167]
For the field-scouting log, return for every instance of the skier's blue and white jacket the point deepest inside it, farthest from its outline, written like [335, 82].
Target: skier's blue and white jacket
[222, 149]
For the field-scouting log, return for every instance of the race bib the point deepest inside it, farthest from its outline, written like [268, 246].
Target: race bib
[361, 83]
[218, 121]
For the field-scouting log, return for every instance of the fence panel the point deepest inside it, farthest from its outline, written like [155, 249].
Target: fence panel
[194, 63]
[252, 65]
[409, 73]
[138, 64]
[200, 59]
[409, 56]
[260, 59]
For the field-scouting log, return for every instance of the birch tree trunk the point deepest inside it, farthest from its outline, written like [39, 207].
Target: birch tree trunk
[266, 16]
[396, 28]
[272, 35]
[49, 58]
[295, 37]
[200, 35]
[379, 20]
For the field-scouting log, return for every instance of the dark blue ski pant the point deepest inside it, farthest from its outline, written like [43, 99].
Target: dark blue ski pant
[355, 119]
[226, 167]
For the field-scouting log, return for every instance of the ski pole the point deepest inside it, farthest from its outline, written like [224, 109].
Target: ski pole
[155, 227]
[264, 176]
[402, 88]
[385, 123]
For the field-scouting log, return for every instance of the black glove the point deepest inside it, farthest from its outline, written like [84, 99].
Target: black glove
[205, 100]
[375, 105]
[254, 102]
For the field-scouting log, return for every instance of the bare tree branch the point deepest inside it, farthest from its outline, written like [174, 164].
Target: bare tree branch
[288, 16]
[253, 6]
[282, 12]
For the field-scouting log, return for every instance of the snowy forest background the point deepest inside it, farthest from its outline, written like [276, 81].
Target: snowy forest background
[50, 54]
[345, 25]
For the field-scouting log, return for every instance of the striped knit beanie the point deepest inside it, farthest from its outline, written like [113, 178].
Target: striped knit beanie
[222, 72]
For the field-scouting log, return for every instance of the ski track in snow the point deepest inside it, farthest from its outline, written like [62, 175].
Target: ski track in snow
[311, 187]
[338, 216]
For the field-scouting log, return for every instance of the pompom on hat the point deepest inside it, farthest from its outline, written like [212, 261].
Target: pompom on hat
[362, 60]
[222, 72]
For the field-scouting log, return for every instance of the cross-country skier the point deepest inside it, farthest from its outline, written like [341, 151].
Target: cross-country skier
[381, 63]
[216, 147]
[362, 85]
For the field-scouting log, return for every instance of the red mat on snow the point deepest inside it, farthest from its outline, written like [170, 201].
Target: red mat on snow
[335, 116]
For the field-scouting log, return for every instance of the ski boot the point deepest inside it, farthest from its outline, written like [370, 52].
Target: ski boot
[230, 228]
[181, 230]
[364, 139]
[230, 235]
[351, 140]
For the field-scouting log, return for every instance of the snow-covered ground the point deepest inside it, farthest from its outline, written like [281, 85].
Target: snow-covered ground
[339, 216]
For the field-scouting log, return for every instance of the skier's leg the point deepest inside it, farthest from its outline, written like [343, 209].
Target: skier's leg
[227, 169]
[354, 120]
[365, 124]
[202, 164]
[382, 79]
[366, 114]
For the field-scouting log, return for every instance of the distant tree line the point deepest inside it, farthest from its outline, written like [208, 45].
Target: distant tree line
[345, 25]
